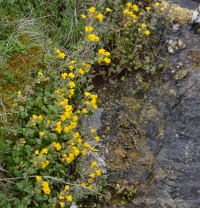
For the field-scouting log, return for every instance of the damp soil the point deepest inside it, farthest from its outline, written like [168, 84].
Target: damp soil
[151, 131]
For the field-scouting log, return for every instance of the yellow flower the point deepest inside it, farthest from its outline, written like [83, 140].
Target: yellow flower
[62, 204]
[76, 134]
[19, 92]
[75, 118]
[42, 133]
[147, 32]
[157, 4]
[84, 152]
[45, 150]
[100, 17]
[67, 129]
[92, 9]
[92, 175]
[128, 4]
[64, 75]
[58, 51]
[80, 71]
[37, 152]
[94, 163]
[98, 172]
[40, 73]
[83, 16]
[148, 8]
[125, 11]
[90, 180]
[108, 10]
[71, 84]
[101, 51]
[135, 7]
[84, 110]
[38, 178]
[83, 184]
[58, 127]
[93, 38]
[89, 28]
[69, 198]
[46, 188]
[61, 55]
[44, 164]
[92, 130]
[67, 187]
[107, 60]
[58, 146]
[91, 186]
[71, 68]
[97, 138]
[162, 8]
[143, 25]
[71, 75]
[107, 53]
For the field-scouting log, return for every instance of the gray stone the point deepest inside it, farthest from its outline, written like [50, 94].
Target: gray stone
[175, 45]
[175, 27]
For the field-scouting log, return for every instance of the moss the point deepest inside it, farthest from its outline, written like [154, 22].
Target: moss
[20, 66]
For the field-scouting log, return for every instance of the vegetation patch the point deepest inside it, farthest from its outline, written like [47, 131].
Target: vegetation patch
[43, 148]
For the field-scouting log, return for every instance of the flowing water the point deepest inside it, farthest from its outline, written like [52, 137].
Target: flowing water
[190, 4]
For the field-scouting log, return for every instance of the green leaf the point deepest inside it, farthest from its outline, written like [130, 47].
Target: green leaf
[21, 184]
[29, 189]
[38, 197]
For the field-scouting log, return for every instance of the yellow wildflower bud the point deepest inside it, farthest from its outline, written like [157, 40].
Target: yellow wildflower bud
[90, 180]
[94, 163]
[147, 32]
[61, 55]
[92, 175]
[83, 16]
[148, 8]
[92, 9]
[157, 4]
[98, 172]
[108, 10]
[100, 17]
[67, 187]
[89, 28]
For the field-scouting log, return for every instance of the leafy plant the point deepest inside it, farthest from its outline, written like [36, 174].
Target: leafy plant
[9, 77]
[44, 151]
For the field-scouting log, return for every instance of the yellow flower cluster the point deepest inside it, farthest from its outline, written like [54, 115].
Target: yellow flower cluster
[43, 184]
[45, 187]
[65, 195]
[89, 29]
[91, 99]
[60, 54]
[36, 119]
[130, 15]
[101, 56]
[56, 145]
[93, 38]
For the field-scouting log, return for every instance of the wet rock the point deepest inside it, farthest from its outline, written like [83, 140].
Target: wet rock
[183, 55]
[187, 35]
[196, 16]
[175, 45]
[181, 74]
[195, 53]
[175, 27]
